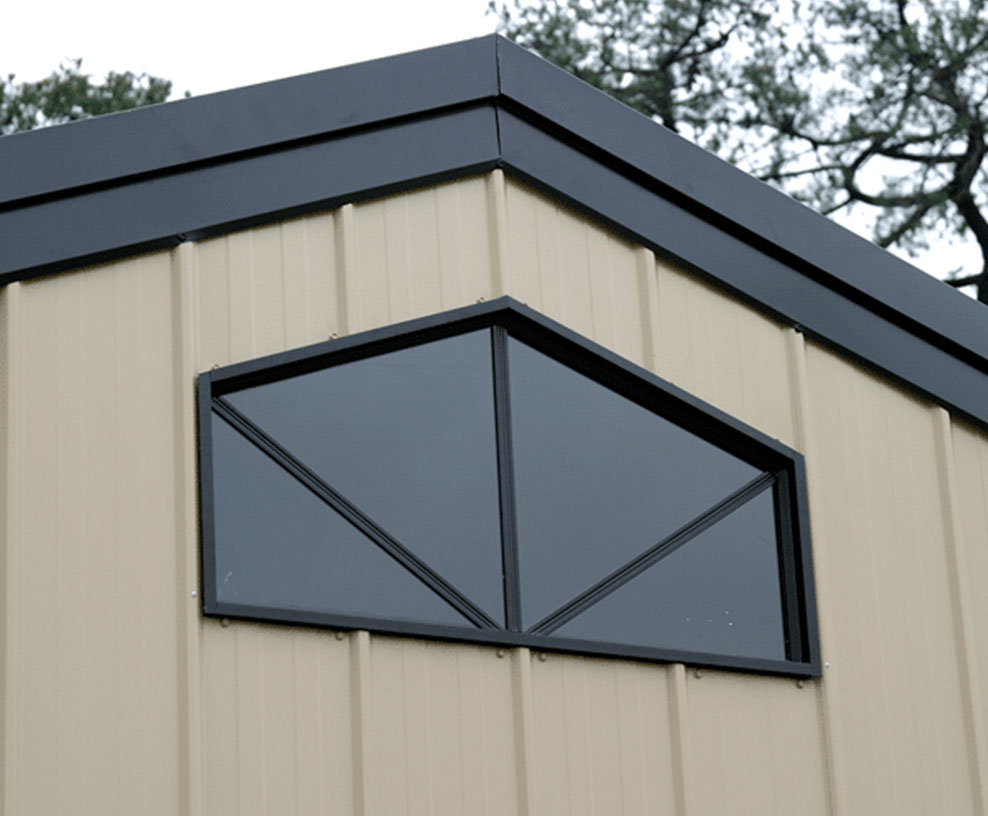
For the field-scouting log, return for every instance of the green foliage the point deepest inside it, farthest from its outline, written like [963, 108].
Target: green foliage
[879, 104]
[68, 94]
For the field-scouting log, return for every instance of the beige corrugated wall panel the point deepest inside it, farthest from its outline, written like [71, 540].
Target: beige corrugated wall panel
[91, 692]
[724, 352]
[890, 637]
[417, 253]
[574, 271]
[265, 290]
[603, 737]
[442, 737]
[276, 721]
[757, 745]
[624, 298]
[119, 698]
[970, 448]
[971, 458]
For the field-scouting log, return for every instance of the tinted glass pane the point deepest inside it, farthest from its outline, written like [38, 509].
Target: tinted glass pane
[408, 437]
[598, 479]
[718, 593]
[279, 545]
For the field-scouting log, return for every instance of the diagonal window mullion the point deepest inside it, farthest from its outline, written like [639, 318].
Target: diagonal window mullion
[353, 514]
[653, 555]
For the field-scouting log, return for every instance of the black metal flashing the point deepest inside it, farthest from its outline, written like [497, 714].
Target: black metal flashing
[164, 210]
[223, 126]
[155, 177]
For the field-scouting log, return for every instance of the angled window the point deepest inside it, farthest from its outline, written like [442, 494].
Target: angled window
[487, 475]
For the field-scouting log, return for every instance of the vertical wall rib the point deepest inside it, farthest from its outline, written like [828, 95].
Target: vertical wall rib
[184, 339]
[967, 654]
[362, 727]
[11, 388]
[345, 266]
[680, 737]
[828, 687]
[648, 294]
[524, 724]
[497, 224]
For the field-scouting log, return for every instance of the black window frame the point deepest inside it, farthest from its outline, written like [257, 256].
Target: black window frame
[507, 317]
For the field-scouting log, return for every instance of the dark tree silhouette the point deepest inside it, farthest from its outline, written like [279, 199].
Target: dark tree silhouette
[879, 104]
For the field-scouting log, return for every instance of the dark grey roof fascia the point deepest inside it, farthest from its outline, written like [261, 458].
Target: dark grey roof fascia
[261, 117]
[158, 211]
[154, 177]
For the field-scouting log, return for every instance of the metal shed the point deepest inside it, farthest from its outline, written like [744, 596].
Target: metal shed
[146, 252]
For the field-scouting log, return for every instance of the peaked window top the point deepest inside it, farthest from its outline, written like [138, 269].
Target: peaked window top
[487, 475]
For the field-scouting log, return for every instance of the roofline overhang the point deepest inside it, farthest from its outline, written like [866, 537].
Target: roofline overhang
[153, 178]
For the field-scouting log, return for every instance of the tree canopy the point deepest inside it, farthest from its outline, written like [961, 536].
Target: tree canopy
[68, 94]
[874, 105]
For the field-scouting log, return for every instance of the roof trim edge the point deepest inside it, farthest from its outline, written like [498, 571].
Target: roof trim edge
[122, 185]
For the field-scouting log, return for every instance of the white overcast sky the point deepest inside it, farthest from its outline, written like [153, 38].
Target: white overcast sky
[213, 45]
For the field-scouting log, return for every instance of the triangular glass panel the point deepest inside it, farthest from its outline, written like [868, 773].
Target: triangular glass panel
[718, 593]
[598, 479]
[278, 545]
[408, 438]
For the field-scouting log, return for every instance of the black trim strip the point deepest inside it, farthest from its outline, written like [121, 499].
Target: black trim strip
[793, 625]
[352, 514]
[799, 513]
[532, 327]
[207, 511]
[652, 556]
[504, 638]
[165, 210]
[506, 479]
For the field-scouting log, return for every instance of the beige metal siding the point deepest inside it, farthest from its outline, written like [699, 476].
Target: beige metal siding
[90, 721]
[602, 737]
[441, 735]
[416, 254]
[572, 271]
[888, 628]
[119, 698]
[725, 353]
[968, 492]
